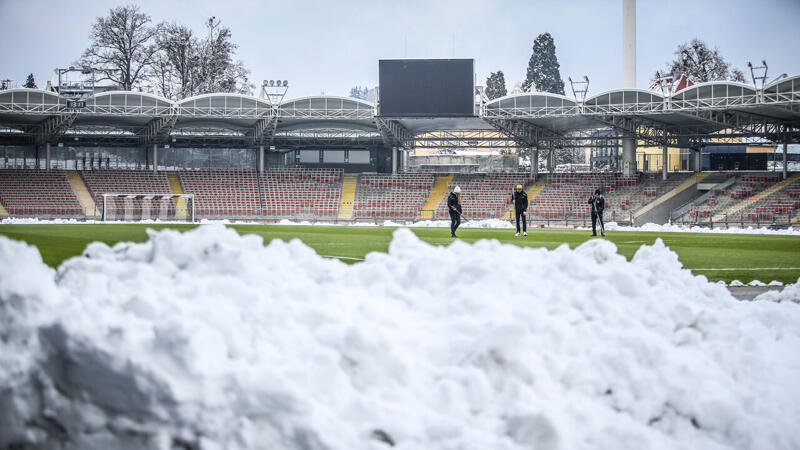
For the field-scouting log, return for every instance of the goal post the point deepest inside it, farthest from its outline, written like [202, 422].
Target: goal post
[138, 207]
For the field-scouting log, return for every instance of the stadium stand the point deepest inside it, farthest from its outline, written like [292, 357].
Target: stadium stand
[730, 200]
[484, 196]
[222, 192]
[781, 201]
[302, 193]
[31, 192]
[101, 182]
[565, 195]
[391, 196]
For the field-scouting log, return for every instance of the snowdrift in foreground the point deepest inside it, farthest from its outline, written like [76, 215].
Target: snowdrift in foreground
[210, 340]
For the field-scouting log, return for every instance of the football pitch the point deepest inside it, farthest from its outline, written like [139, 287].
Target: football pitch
[725, 257]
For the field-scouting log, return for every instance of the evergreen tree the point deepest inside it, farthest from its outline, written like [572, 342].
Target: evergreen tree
[30, 83]
[543, 68]
[700, 64]
[496, 85]
[364, 93]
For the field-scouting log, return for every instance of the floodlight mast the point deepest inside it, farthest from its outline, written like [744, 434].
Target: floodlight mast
[579, 88]
[274, 90]
[758, 73]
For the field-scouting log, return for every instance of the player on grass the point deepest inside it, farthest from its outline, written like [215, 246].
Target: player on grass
[598, 205]
[520, 199]
[454, 208]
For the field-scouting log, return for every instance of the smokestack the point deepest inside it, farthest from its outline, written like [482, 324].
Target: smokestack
[628, 43]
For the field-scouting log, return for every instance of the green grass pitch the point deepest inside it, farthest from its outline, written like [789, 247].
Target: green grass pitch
[726, 257]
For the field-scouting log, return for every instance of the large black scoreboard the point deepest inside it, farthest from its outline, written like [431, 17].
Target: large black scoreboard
[426, 87]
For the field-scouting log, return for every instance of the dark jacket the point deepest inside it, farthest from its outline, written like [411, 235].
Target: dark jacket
[520, 201]
[452, 203]
[598, 203]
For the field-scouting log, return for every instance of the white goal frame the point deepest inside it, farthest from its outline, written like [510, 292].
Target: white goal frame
[190, 202]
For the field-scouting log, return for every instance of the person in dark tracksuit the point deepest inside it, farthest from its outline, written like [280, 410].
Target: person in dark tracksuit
[520, 199]
[598, 205]
[454, 208]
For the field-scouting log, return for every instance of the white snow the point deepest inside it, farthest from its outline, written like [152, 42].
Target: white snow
[211, 340]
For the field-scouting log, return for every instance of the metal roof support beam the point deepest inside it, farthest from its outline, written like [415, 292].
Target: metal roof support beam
[525, 133]
[263, 131]
[158, 129]
[748, 124]
[52, 128]
[394, 134]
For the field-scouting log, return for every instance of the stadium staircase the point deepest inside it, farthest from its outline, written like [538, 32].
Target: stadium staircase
[438, 192]
[750, 201]
[349, 183]
[181, 208]
[688, 183]
[3, 212]
[82, 192]
[533, 190]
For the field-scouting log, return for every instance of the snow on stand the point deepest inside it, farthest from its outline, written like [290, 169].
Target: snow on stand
[211, 340]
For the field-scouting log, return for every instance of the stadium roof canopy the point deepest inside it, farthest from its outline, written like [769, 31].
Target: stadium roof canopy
[701, 111]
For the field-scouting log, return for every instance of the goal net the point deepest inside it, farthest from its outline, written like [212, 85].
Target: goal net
[137, 207]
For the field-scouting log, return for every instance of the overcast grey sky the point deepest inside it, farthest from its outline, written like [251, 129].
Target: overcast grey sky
[331, 46]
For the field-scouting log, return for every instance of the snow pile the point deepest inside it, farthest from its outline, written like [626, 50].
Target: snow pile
[210, 340]
[791, 293]
[669, 228]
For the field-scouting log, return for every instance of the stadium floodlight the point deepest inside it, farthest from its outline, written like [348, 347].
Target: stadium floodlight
[274, 90]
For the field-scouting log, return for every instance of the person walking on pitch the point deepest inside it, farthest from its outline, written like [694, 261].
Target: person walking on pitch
[598, 205]
[454, 208]
[520, 199]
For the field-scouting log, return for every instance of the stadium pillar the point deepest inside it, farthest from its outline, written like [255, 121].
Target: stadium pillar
[155, 158]
[260, 160]
[535, 161]
[697, 161]
[47, 156]
[394, 160]
[550, 160]
[628, 157]
[664, 156]
[784, 159]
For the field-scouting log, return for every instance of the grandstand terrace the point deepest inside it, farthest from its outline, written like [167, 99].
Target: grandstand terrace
[39, 193]
[223, 192]
[397, 196]
[484, 196]
[101, 182]
[302, 193]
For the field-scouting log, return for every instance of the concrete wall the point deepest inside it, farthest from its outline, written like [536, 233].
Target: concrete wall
[661, 213]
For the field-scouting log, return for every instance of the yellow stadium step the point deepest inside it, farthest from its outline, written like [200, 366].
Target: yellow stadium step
[181, 208]
[439, 190]
[3, 211]
[761, 195]
[532, 190]
[349, 183]
[82, 192]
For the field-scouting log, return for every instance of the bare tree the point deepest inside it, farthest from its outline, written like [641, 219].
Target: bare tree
[175, 65]
[186, 65]
[218, 72]
[700, 63]
[122, 46]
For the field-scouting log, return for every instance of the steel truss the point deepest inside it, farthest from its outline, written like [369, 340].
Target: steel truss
[464, 139]
[394, 133]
